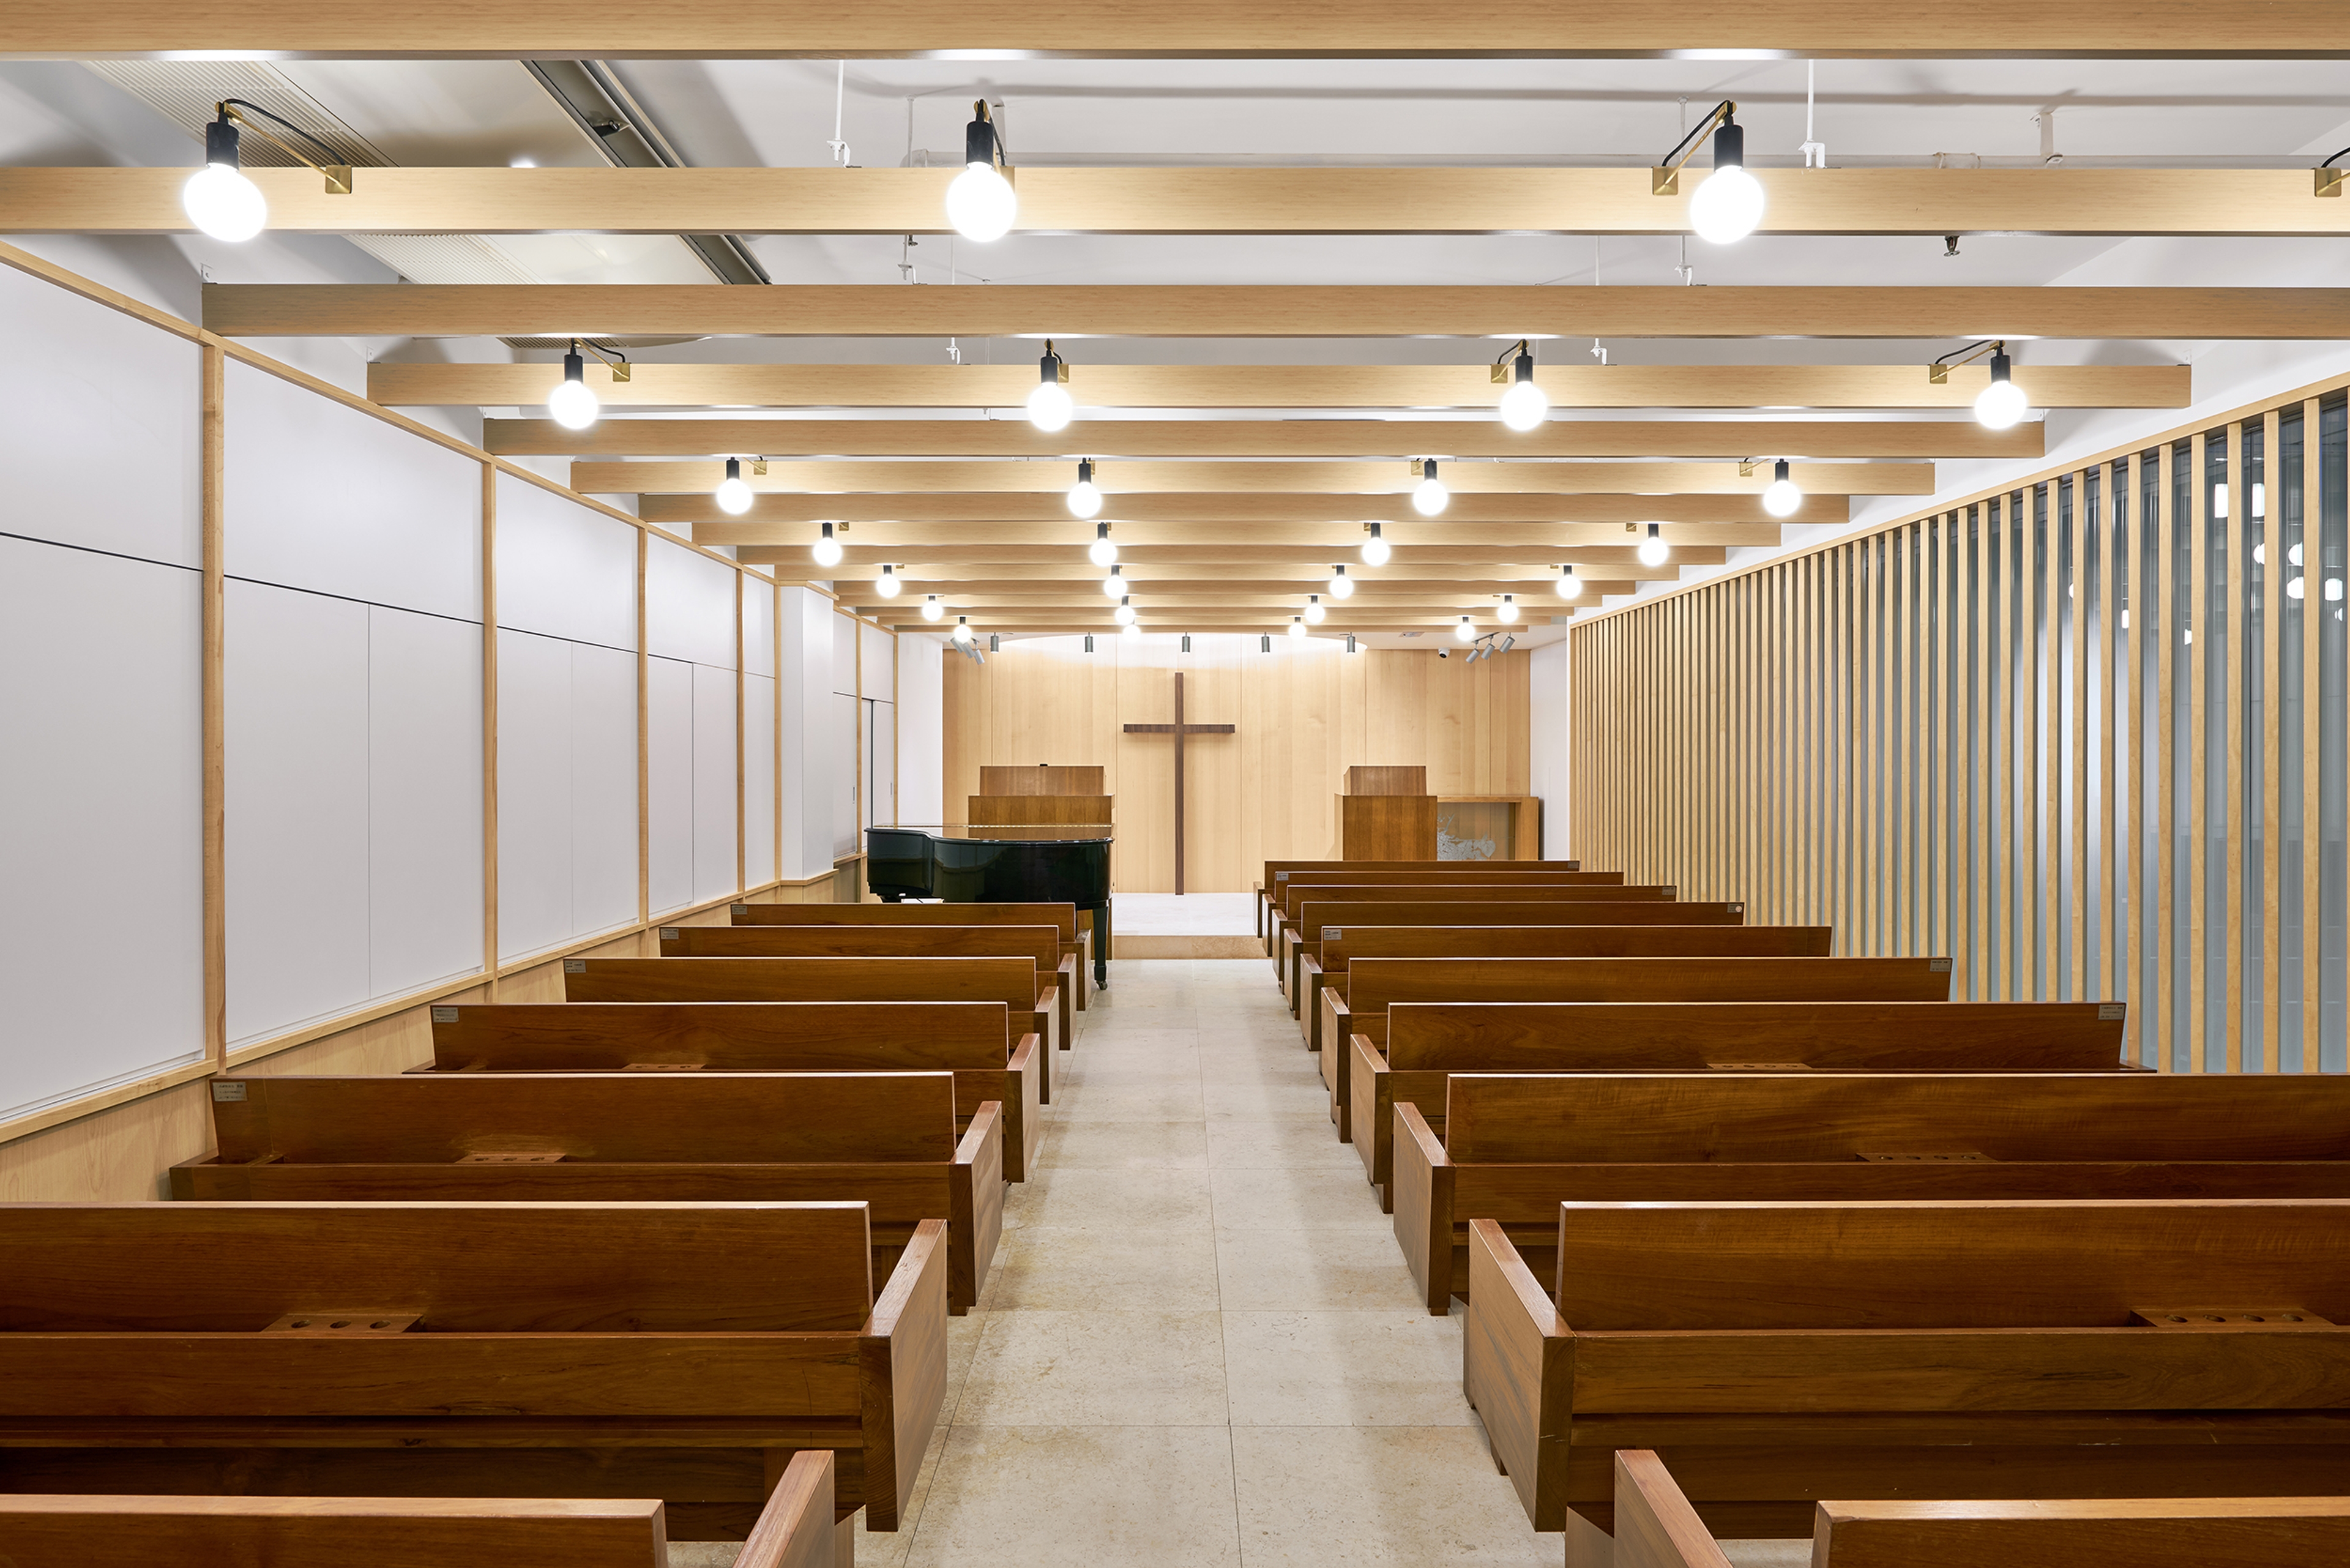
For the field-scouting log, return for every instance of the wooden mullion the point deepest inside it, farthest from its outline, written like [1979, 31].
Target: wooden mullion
[644, 743]
[212, 394]
[2133, 557]
[490, 729]
[2233, 528]
[1966, 936]
[2077, 721]
[2271, 978]
[2048, 691]
[2169, 642]
[2198, 578]
[2312, 617]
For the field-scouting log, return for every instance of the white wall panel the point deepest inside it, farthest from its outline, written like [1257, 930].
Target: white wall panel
[689, 604]
[922, 731]
[296, 757]
[1547, 690]
[805, 786]
[603, 789]
[668, 695]
[98, 433]
[713, 784]
[99, 800]
[324, 497]
[758, 780]
[564, 569]
[840, 755]
[534, 794]
[424, 800]
[758, 624]
[877, 647]
[880, 764]
[844, 654]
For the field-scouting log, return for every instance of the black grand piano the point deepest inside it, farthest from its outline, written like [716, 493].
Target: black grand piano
[1029, 865]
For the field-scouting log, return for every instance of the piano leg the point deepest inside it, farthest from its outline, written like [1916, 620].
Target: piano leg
[1100, 913]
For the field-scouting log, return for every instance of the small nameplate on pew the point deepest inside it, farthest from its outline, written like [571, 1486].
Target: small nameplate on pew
[1759, 1066]
[575, 966]
[1332, 933]
[2107, 1012]
[1966, 1154]
[662, 1067]
[1671, 891]
[1735, 909]
[512, 1156]
[669, 933]
[224, 1093]
[1281, 876]
[1937, 966]
[344, 1322]
[445, 1015]
[732, 909]
[2230, 1317]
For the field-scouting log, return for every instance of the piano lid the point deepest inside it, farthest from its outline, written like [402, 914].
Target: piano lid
[1013, 833]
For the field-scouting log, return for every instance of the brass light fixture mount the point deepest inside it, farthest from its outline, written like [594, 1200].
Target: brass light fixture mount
[1665, 180]
[337, 174]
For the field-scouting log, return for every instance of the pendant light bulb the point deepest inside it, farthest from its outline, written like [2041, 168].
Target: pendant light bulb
[1375, 549]
[1430, 496]
[733, 496]
[2000, 403]
[1049, 406]
[218, 198]
[1726, 208]
[1103, 551]
[1523, 406]
[1296, 627]
[1085, 496]
[827, 548]
[981, 203]
[932, 608]
[1508, 612]
[571, 404]
[962, 632]
[1132, 629]
[1464, 631]
[886, 584]
[1124, 614]
[1314, 613]
[1569, 585]
[1782, 497]
[1114, 586]
[1341, 585]
[1654, 551]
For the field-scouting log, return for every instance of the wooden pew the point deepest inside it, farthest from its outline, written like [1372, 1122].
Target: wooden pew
[965, 1038]
[1464, 889]
[1075, 972]
[1453, 874]
[1277, 872]
[884, 1139]
[1656, 1528]
[1514, 1147]
[1010, 980]
[679, 1351]
[1781, 1352]
[1375, 985]
[1041, 943]
[1313, 908]
[1324, 966]
[794, 1530]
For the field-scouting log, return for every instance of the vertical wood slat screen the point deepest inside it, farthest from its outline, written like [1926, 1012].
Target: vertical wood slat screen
[2088, 736]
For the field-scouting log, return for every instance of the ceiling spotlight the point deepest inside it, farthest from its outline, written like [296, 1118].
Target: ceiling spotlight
[1781, 497]
[1350, 642]
[1102, 552]
[1296, 626]
[1085, 496]
[1375, 549]
[1729, 204]
[1114, 586]
[1049, 406]
[962, 632]
[1429, 497]
[1507, 643]
[734, 496]
[2001, 402]
[827, 548]
[1464, 631]
[994, 643]
[1341, 585]
[1314, 610]
[1508, 611]
[1089, 642]
[1569, 585]
[1523, 406]
[571, 404]
[981, 203]
[1654, 552]
[1124, 614]
[886, 584]
[1264, 644]
[1187, 642]
[218, 198]
[932, 608]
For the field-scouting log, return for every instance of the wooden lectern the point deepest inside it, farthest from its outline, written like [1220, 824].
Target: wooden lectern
[1386, 814]
[1041, 796]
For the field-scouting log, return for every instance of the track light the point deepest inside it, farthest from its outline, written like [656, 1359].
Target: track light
[1124, 614]
[1654, 552]
[218, 198]
[1729, 204]
[1341, 585]
[1508, 611]
[1569, 585]
[886, 584]
[1375, 549]
[994, 643]
[1429, 497]
[571, 404]
[1114, 586]
[1781, 497]
[1350, 642]
[932, 608]
[1089, 642]
[981, 203]
[962, 632]
[733, 496]
[1523, 406]
[1103, 551]
[827, 548]
[1296, 626]
[1264, 645]
[1508, 643]
[1049, 406]
[1187, 642]
[1085, 496]
[2001, 402]
[1464, 631]
[1314, 613]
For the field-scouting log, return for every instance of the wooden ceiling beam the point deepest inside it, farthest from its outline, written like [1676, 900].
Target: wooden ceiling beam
[1334, 542]
[1263, 577]
[1201, 200]
[1282, 386]
[1534, 561]
[1239, 517]
[879, 310]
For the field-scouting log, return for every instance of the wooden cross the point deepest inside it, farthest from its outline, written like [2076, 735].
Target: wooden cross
[1178, 730]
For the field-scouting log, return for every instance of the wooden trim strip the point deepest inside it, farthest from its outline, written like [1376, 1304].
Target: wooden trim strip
[211, 658]
[490, 726]
[2271, 978]
[2312, 753]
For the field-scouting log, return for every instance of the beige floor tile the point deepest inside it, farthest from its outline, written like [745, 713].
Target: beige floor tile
[1075, 1142]
[1173, 1100]
[1045, 1269]
[962, 1342]
[1098, 1368]
[1400, 1368]
[1268, 1098]
[1369, 1496]
[1116, 1200]
[1081, 1497]
[1767, 1553]
[887, 1549]
[1300, 1197]
[1307, 1271]
[1237, 1145]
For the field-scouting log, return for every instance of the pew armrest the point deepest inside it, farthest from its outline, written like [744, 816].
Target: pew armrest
[1048, 1006]
[1337, 1029]
[978, 1199]
[1309, 986]
[1362, 1075]
[795, 1530]
[1518, 1364]
[1423, 1207]
[902, 1371]
[1655, 1525]
[1027, 1066]
[1066, 977]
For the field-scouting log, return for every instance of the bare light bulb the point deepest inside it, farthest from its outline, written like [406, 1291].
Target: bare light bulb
[1508, 612]
[1050, 406]
[1103, 551]
[1375, 549]
[2001, 402]
[1124, 614]
[1464, 631]
[734, 496]
[1314, 613]
[1523, 406]
[886, 584]
[1296, 627]
[827, 548]
[1114, 586]
[1085, 496]
[932, 608]
[571, 404]
[1429, 497]
[981, 203]
[1341, 585]
[1132, 629]
[962, 632]
[1781, 497]
[1654, 551]
[1569, 585]
[1725, 209]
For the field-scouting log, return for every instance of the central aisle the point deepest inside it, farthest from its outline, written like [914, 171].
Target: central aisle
[1200, 1345]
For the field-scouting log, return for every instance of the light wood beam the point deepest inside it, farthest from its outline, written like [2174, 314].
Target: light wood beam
[1423, 543]
[1281, 386]
[1097, 310]
[1209, 200]
[1105, 438]
[1325, 478]
[954, 514]
[997, 557]
[1270, 576]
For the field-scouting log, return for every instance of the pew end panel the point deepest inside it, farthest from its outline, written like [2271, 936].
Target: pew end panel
[1028, 1069]
[2085, 1533]
[801, 1527]
[1337, 1031]
[1423, 1192]
[976, 1225]
[1518, 1372]
[1655, 1525]
[902, 1362]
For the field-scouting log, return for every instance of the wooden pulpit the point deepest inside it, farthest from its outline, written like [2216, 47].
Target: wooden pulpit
[1386, 814]
[1039, 797]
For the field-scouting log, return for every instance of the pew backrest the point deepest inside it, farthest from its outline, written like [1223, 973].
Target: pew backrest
[1062, 918]
[1343, 945]
[1041, 943]
[1467, 889]
[102, 1531]
[1373, 985]
[1012, 981]
[849, 1036]
[1510, 907]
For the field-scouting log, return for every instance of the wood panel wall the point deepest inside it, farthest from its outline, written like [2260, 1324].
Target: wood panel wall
[1304, 715]
[2084, 735]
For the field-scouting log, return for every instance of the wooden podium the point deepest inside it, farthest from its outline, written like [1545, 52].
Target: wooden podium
[1039, 797]
[1386, 814]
